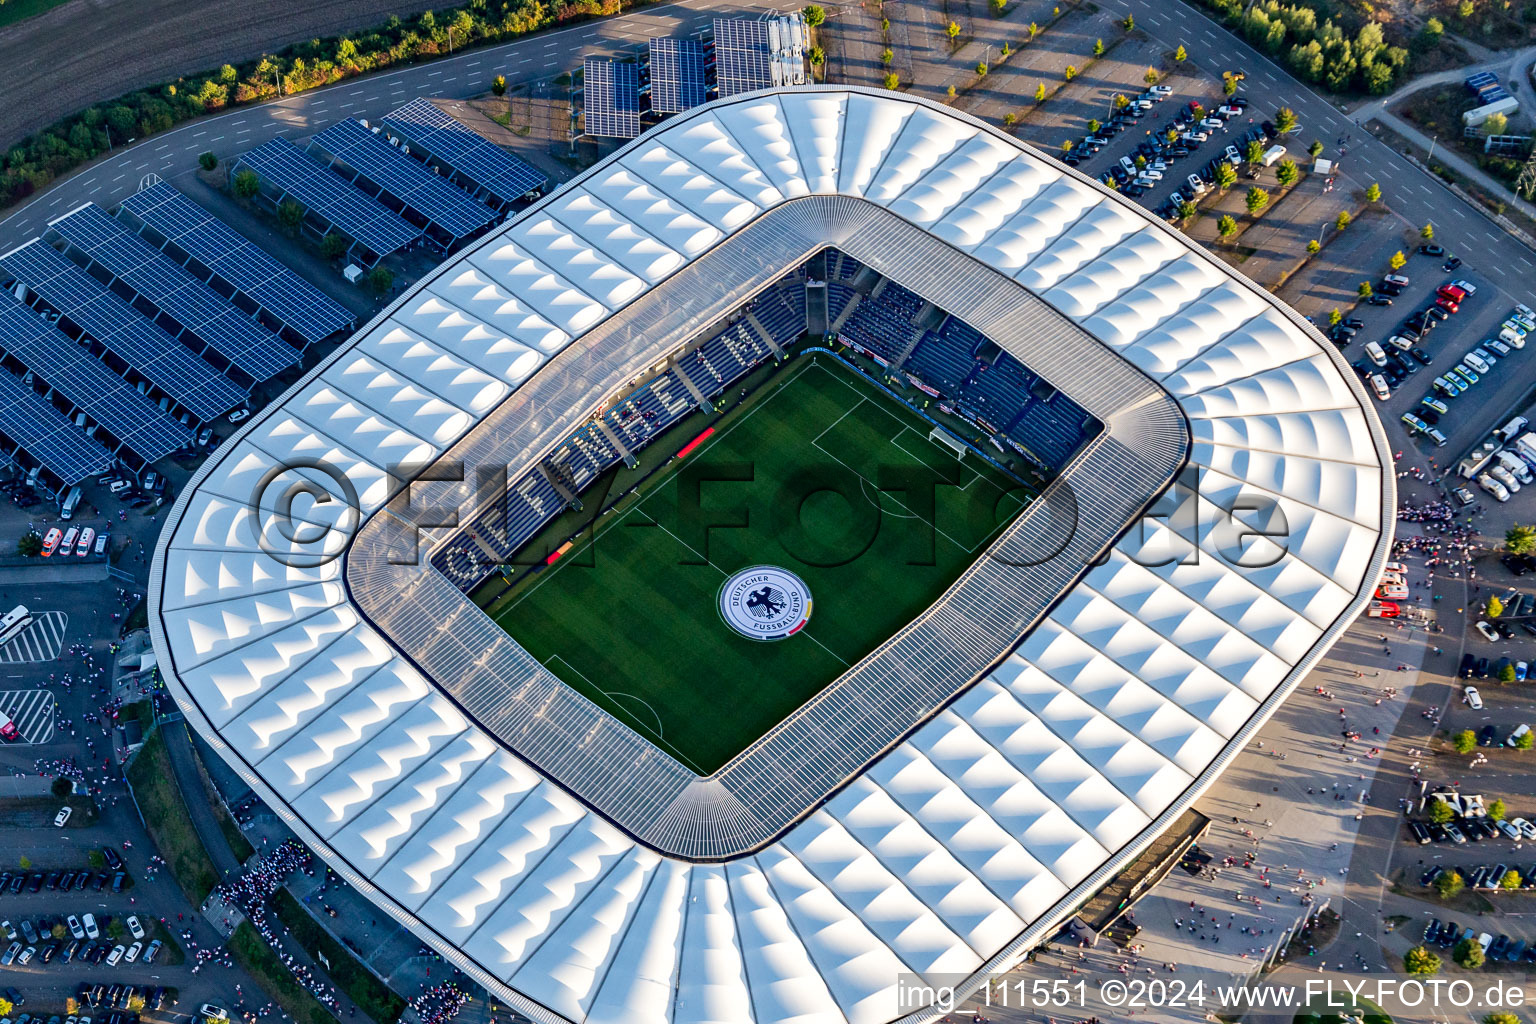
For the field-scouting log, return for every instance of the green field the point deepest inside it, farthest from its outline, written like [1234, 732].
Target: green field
[819, 473]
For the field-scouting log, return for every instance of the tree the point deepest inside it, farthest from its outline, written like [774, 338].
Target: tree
[1520, 540]
[1465, 9]
[1469, 954]
[1497, 810]
[1397, 260]
[892, 80]
[1501, 1018]
[886, 56]
[61, 787]
[1525, 740]
[1497, 124]
[1179, 55]
[1285, 120]
[1495, 607]
[1343, 220]
[499, 85]
[1153, 76]
[1187, 210]
[1129, 24]
[1254, 151]
[1439, 811]
[1256, 200]
[950, 92]
[1010, 119]
[1226, 227]
[1419, 960]
[815, 15]
[381, 280]
[1098, 47]
[1040, 93]
[246, 184]
[333, 246]
[1335, 318]
[999, 7]
[30, 545]
[25, 863]
[290, 214]
[1373, 193]
[818, 56]
[1171, 136]
[952, 30]
[1225, 176]
[981, 69]
[1449, 884]
[1364, 291]
[207, 161]
[1313, 246]
[1070, 73]
[1465, 742]
[1034, 30]
[1511, 881]
[1005, 52]
[1120, 102]
[1287, 173]
[6, 1006]
[1316, 149]
[1432, 32]
[1427, 232]
[1507, 674]
[1228, 83]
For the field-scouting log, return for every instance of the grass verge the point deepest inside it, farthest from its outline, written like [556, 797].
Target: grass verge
[13, 11]
[349, 974]
[262, 963]
[169, 823]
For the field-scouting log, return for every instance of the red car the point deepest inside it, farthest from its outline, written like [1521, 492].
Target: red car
[1449, 305]
[1450, 291]
[1384, 610]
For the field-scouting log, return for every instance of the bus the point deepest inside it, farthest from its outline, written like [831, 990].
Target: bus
[15, 620]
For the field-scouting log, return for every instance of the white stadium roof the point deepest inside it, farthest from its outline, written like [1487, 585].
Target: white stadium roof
[973, 837]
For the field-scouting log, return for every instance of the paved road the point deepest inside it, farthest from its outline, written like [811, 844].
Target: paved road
[537, 57]
[40, 641]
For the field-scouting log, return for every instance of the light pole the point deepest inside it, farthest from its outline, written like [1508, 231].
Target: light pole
[1432, 140]
[450, 40]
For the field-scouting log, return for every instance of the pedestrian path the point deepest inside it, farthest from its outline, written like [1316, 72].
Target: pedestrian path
[32, 711]
[40, 641]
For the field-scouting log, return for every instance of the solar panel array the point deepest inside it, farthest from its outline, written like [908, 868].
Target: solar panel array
[611, 94]
[159, 358]
[243, 266]
[434, 133]
[193, 305]
[407, 180]
[743, 56]
[362, 217]
[50, 437]
[677, 75]
[71, 371]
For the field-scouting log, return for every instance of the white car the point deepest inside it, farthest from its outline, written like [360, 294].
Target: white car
[1493, 487]
[1379, 385]
[75, 928]
[1399, 342]
[134, 927]
[1475, 361]
[60, 818]
[1472, 698]
[1505, 477]
[1197, 136]
[133, 952]
[1161, 90]
[1489, 633]
[1374, 352]
[8, 930]
[208, 1010]
[1212, 123]
[1196, 184]
[1466, 286]
[238, 415]
[116, 956]
[1152, 175]
[1527, 830]
[91, 931]
[1509, 830]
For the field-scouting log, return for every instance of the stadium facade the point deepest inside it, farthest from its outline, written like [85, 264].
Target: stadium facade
[1063, 703]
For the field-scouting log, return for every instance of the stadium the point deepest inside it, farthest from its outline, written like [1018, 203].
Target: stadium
[819, 546]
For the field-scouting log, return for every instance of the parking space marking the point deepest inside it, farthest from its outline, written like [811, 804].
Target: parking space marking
[40, 641]
[32, 711]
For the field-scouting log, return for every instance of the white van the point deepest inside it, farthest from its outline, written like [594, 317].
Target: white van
[1510, 336]
[71, 502]
[1515, 466]
[1272, 154]
[1514, 737]
[1374, 351]
[1480, 365]
[1397, 279]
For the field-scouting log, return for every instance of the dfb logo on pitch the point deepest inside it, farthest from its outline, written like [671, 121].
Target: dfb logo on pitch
[765, 602]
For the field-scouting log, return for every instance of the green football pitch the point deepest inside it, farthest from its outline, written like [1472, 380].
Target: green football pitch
[820, 474]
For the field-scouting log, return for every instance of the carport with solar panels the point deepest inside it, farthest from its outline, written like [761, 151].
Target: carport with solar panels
[229, 264]
[94, 402]
[489, 173]
[372, 229]
[176, 301]
[447, 214]
[610, 98]
[157, 364]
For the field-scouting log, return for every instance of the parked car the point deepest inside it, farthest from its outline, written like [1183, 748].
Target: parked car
[1469, 697]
